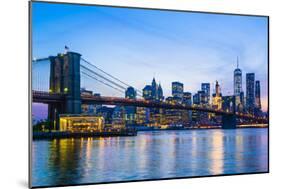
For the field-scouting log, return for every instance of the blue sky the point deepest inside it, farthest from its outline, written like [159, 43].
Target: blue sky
[135, 45]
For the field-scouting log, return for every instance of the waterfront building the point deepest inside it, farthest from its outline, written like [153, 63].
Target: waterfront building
[195, 114]
[173, 117]
[106, 112]
[186, 100]
[217, 97]
[118, 117]
[250, 92]
[153, 92]
[177, 89]
[206, 88]
[130, 111]
[142, 116]
[78, 123]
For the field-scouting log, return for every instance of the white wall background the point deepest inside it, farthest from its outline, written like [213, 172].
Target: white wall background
[14, 93]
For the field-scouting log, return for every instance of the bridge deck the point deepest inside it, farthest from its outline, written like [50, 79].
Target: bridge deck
[46, 97]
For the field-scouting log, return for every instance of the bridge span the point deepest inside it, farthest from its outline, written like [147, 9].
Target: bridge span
[63, 94]
[46, 97]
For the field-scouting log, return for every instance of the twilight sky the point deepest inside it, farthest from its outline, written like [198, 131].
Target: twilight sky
[134, 45]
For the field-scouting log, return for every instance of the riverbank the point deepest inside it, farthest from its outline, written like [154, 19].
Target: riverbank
[130, 132]
[56, 135]
[201, 128]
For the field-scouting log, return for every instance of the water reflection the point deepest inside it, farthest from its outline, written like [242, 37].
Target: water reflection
[150, 155]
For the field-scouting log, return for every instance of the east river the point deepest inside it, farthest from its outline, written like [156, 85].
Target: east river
[149, 155]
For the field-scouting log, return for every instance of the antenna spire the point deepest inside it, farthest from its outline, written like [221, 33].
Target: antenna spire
[237, 62]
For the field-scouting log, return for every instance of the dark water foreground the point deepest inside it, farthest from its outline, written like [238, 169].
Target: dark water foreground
[149, 155]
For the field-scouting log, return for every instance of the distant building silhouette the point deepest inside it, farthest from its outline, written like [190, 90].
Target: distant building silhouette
[258, 95]
[250, 92]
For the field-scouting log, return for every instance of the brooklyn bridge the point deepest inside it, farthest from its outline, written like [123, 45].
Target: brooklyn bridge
[62, 91]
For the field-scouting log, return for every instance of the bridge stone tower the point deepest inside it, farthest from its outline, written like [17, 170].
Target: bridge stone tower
[65, 79]
[229, 121]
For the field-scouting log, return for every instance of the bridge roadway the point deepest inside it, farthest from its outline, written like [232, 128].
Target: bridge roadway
[46, 97]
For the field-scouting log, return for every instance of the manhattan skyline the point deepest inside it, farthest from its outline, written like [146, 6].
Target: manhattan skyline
[171, 46]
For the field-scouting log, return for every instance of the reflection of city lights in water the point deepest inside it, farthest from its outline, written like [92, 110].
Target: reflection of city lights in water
[217, 153]
[156, 154]
[89, 143]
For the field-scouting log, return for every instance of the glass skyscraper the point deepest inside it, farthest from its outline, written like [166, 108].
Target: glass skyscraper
[237, 80]
[177, 89]
[206, 88]
[258, 95]
[250, 92]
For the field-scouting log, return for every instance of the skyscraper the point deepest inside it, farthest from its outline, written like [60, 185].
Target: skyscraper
[258, 95]
[250, 92]
[147, 92]
[177, 89]
[130, 111]
[153, 91]
[237, 88]
[206, 88]
[217, 97]
[237, 81]
[154, 88]
[160, 93]
[186, 98]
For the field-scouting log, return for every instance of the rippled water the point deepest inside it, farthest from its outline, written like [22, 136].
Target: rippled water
[150, 155]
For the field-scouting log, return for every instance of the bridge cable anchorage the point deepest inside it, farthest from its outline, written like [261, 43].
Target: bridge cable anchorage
[110, 81]
[92, 77]
[113, 77]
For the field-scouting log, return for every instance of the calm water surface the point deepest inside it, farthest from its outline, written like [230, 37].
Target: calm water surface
[150, 155]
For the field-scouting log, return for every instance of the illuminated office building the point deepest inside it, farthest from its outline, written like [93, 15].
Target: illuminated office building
[217, 97]
[153, 92]
[173, 117]
[130, 111]
[206, 88]
[118, 117]
[177, 89]
[78, 123]
[142, 116]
